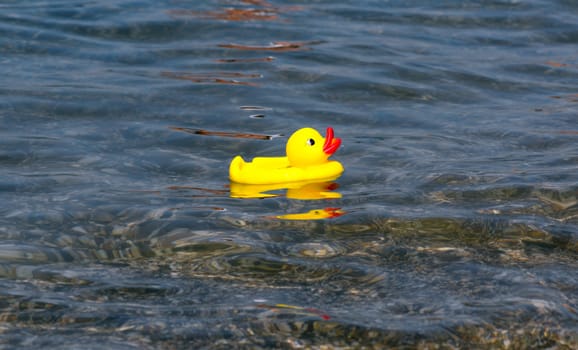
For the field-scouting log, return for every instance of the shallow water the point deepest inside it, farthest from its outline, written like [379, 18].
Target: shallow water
[455, 222]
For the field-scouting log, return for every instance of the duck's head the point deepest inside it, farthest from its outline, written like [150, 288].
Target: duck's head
[307, 147]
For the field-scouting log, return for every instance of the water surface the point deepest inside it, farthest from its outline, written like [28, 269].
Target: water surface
[457, 211]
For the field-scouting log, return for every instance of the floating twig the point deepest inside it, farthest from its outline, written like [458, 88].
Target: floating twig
[224, 133]
[246, 60]
[274, 46]
[215, 78]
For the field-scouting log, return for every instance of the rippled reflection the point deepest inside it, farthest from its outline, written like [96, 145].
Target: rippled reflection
[314, 214]
[304, 190]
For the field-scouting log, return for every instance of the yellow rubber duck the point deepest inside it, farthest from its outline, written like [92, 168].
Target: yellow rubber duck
[307, 159]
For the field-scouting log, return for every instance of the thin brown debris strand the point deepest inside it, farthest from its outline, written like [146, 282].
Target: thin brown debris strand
[223, 133]
[256, 3]
[214, 78]
[202, 189]
[246, 60]
[275, 46]
[231, 14]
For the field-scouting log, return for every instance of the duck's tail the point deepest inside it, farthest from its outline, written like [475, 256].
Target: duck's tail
[236, 167]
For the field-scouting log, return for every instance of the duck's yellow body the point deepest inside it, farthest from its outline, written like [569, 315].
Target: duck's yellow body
[306, 160]
[262, 171]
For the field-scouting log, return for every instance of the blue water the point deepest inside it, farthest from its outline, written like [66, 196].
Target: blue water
[457, 209]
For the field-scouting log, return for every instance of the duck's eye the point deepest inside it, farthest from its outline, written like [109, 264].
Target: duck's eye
[310, 142]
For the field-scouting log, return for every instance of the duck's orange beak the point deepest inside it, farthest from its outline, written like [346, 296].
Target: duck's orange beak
[331, 143]
[334, 212]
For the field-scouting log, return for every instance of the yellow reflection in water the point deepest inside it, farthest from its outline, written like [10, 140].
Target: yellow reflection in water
[294, 190]
[304, 190]
[315, 214]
